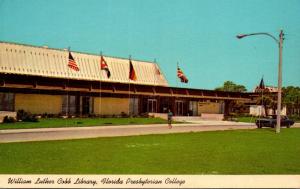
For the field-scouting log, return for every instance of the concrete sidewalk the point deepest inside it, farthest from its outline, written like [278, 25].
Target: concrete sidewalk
[41, 134]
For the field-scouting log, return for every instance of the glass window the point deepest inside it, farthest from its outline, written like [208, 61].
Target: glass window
[152, 105]
[69, 104]
[134, 106]
[7, 101]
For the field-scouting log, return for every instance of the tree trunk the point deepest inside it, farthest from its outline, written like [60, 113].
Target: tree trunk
[266, 110]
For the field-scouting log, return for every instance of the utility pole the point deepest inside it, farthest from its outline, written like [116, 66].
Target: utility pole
[279, 82]
[280, 44]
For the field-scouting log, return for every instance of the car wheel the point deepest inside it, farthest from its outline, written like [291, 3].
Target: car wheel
[258, 124]
[288, 126]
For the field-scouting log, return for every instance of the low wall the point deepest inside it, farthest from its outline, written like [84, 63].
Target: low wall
[204, 116]
[160, 115]
[218, 117]
[186, 118]
[6, 113]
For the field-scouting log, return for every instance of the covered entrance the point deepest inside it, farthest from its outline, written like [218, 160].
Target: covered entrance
[181, 108]
[152, 105]
[85, 105]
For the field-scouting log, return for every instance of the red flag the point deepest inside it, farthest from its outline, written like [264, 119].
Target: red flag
[104, 66]
[181, 76]
[72, 64]
[157, 70]
[132, 75]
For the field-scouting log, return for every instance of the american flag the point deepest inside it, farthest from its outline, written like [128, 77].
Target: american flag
[181, 76]
[72, 64]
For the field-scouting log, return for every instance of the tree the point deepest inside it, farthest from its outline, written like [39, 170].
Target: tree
[231, 87]
[291, 98]
[268, 100]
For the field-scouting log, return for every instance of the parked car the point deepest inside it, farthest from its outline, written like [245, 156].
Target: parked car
[271, 121]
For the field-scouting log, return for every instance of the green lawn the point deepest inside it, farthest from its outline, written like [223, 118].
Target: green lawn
[258, 151]
[251, 119]
[246, 119]
[80, 122]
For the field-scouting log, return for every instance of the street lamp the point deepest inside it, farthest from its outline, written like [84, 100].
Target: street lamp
[279, 42]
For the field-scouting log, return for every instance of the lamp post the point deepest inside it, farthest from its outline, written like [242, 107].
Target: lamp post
[279, 42]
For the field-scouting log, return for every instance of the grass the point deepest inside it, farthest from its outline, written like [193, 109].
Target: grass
[258, 151]
[246, 119]
[80, 122]
[251, 119]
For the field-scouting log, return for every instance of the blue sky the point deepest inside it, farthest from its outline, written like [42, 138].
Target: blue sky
[199, 34]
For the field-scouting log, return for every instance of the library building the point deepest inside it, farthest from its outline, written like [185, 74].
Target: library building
[44, 80]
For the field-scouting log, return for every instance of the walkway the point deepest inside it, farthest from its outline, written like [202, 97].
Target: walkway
[22, 135]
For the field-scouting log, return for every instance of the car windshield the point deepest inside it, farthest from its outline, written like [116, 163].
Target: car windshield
[271, 116]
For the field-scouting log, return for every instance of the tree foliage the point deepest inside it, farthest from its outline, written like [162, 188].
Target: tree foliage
[268, 101]
[291, 98]
[231, 87]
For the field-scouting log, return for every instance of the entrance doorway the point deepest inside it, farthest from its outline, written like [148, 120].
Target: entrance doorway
[70, 105]
[152, 105]
[85, 105]
[179, 107]
[133, 106]
[193, 108]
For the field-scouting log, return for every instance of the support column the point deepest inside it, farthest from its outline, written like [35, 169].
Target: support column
[227, 106]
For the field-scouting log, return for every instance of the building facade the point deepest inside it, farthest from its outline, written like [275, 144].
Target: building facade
[38, 80]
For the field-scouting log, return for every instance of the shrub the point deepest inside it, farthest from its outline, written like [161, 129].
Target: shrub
[21, 115]
[46, 115]
[92, 115]
[26, 116]
[295, 117]
[31, 118]
[123, 114]
[71, 116]
[9, 119]
[144, 115]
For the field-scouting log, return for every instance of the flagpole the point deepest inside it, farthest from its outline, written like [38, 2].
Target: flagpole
[176, 74]
[176, 108]
[100, 90]
[129, 88]
[67, 112]
[262, 103]
[155, 77]
[262, 98]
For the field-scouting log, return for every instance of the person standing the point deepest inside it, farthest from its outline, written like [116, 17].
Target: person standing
[170, 115]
